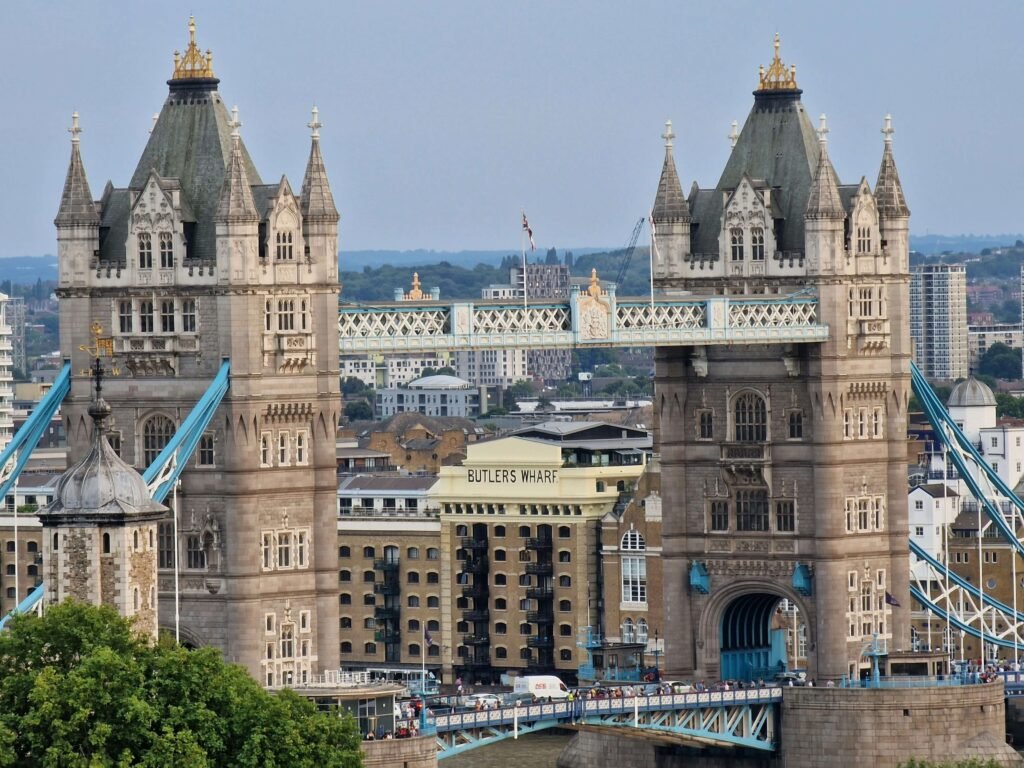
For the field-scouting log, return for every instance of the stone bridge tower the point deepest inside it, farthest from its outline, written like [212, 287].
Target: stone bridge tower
[195, 262]
[784, 468]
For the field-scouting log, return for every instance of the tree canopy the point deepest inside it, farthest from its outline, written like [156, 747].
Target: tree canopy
[1001, 362]
[78, 689]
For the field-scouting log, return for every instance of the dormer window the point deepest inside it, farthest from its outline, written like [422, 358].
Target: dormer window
[284, 246]
[145, 251]
[736, 240]
[863, 239]
[166, 250]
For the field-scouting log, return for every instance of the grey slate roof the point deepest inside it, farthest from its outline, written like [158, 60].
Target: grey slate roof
[823, 201]
[669, 203]
[888, 190]
[236, 203]
[316, 201]
[777, 144]
[76, 203]
[191, 142]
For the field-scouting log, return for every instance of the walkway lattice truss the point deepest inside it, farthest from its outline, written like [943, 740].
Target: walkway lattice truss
[585, 319]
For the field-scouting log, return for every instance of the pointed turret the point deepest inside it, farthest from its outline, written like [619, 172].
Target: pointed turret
[316, 201]
[670, 217]
[76, 203]
[669, 204]
[823, 201]
[888, 190]
[236, 204]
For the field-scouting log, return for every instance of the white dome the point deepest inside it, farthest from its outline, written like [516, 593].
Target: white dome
[971, 393]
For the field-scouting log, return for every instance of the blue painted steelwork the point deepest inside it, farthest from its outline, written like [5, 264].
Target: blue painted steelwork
[165, 469]
[802, 580]
[168, 465]
[699, 578]
[962, 583]
[744, 718]
[750, 647]
[26, 438]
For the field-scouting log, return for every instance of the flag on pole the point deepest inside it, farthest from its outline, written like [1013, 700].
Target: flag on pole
[890, 600]
[427, 638]
[529, 232]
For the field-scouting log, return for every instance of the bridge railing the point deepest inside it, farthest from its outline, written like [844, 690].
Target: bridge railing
[582, 708]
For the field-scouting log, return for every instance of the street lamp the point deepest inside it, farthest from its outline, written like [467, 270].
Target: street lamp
[657, 650]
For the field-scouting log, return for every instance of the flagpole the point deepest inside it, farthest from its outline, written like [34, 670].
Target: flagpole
[654, 245]
[522, 245]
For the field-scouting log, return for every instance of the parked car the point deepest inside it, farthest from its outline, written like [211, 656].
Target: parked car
[790, 678]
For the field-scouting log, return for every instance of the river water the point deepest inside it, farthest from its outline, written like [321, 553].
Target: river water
[538, 750]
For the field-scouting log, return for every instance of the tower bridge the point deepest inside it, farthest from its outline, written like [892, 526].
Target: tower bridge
[780, 319]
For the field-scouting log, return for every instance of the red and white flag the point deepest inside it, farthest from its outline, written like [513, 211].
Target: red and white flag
[529, 232]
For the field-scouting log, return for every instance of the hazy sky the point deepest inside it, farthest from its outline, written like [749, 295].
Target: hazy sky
[443, 119]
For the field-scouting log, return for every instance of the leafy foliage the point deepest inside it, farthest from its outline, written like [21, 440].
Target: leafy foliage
[358, 410]
[971, 763]
[78, 688]
[1001, 362]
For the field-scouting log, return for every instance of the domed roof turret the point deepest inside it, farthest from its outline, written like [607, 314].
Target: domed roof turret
[971, 393]
[100, 487]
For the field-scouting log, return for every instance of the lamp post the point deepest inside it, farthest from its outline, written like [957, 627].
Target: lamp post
[657, 651]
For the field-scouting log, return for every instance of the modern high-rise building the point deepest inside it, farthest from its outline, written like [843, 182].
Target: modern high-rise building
[6, 379]
[938, 320]
[16, 321]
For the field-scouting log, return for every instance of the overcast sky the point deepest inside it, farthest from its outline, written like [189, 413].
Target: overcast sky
[443, 119]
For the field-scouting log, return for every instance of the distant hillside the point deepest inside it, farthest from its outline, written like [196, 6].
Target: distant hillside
[933, 244]
[26, 270]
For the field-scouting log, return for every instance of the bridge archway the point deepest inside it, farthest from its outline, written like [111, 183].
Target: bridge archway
[755, 630]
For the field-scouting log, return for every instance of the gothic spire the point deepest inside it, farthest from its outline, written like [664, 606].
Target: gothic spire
[669, 204]
[823, 201]
[888, 190]
[236, 204]
[76, 203]
[316, 201]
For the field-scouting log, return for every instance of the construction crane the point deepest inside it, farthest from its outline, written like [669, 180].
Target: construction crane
[627, 255]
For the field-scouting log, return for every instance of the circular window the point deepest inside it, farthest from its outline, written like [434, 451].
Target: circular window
[990, 584]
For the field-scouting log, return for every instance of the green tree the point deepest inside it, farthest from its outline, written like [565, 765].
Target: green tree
[971, 763]
[353, 386]
[358, 410]
[1001, 362]
[446, 370]
[79, 688]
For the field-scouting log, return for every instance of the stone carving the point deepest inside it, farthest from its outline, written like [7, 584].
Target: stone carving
[756, 545]
[770, 568]
[595, 311]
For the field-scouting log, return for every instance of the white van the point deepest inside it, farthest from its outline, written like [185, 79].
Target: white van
[541, 686]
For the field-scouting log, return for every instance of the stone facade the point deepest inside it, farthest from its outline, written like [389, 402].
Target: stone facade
[195, 262]
[784, 468]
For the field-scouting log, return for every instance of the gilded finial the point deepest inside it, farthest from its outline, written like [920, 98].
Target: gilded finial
[416, 294]
[75, 130]
[734, 134]
[193, 64]
[777, 77]
[595, 284]
[668, 135]
[315, 125]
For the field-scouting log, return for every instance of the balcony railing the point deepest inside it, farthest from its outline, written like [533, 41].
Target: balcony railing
[475, 591]
[387, 635]
[538, 543]
[539, 569]
[476, 640]
[541, 641]
[387, 588]
[539, 593]
[480, 660]
[382, 564]
[476, 614]
[540, 617]
[384, 613]
[473, 542]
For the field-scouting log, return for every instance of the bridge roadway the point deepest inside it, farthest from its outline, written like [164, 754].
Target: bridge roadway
[591, 317]
[741, 718]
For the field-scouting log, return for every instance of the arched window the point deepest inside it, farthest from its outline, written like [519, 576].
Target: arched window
[145, 251]
[524, 531]
[344, 551]
[284, 241]
[500, 603]
[414, 625]
[641, 631]
[751, 418]
[565, 606]
[499, 531]
[345, 575]
[166, 251]
[370, 648]
[565, 630]
[413, 601]
[106, 543]
[156, 433]
[565, 655]
[565, 581]
[414, 650]
[135, 598]
[135, 540]
[287, 641]
[461, 530]
[433, 601]
[344, 599]
[628, 631]
[757, 245]
[736, 243]
[433, 578]
[433, 553]
[368, 552]
[500, 580]
[500, 652]
[564, 532]
[188, 316]
[413, 553]
[499, 554]
[196, 555]
[346, 647]
[564, 556]
[345, 622]
[632, 540]
[500, 628]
